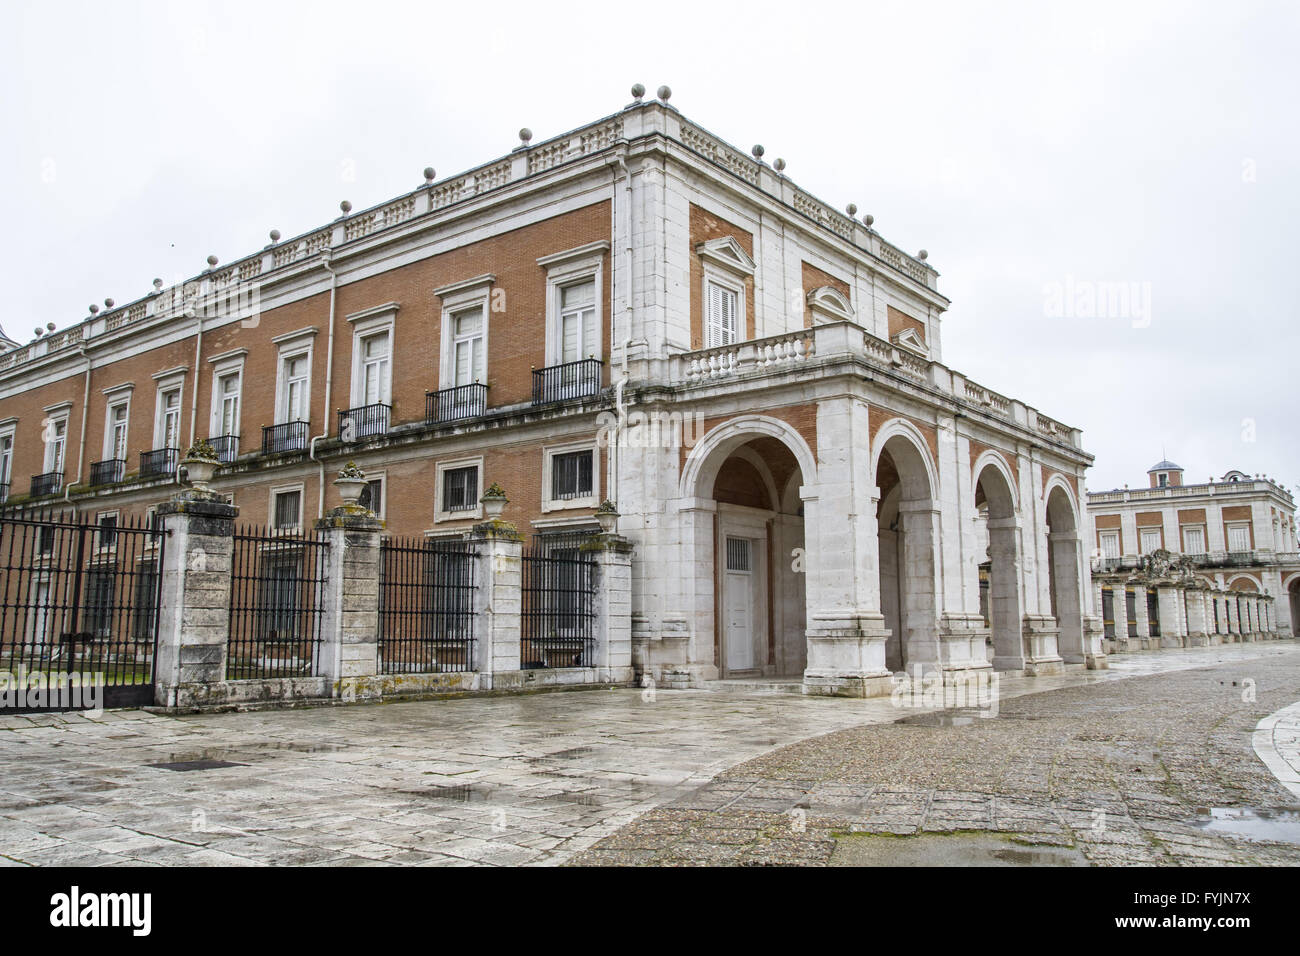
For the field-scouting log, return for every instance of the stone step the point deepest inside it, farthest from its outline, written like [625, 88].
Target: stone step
[757, 685]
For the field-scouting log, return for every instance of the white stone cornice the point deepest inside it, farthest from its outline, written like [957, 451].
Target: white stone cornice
[465, 285]
[310, 330]
[227, 356]
[587, 251]
[374, 311]
[115, 389]
[177, 372]
[727, 253]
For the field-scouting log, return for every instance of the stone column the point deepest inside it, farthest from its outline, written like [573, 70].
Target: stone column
[1197, 631]
[1172, 629]
[1006, 595]
[1119, 606]
[1142, 615]
[349, 654]
[613, 653]
[1233, 616]
[498, 604]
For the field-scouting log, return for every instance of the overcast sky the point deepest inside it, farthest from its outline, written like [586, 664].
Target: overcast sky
[1039, 155]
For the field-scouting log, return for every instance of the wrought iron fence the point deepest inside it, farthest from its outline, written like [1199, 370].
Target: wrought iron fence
[558, 615]
[570, 380]
[159, 462]
[46, 484]
[226, 447]
[80, 598]
[108, 472]
[276, 603]
[287, 436]
[426, 606]
[366, 421]
[454, 404]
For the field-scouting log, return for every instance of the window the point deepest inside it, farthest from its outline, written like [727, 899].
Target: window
[372, 496]
[286, 514]
[6, 462]
[56, 438]
[100, 585]
[460, 489]
[464, 331]
[280, 586]
[467, 347]
[571, 475]
[45, 540]
[145, 620]
[294, 377]
[578, 338]
[107, 530]
[1239, 537]
[1110, 544]
[1162, 480]
[374, 384]
[168, 434]
[721, 315]
[118, 419]
[228, 395]
[1193, 540]
[1150, 540]
[574, 286]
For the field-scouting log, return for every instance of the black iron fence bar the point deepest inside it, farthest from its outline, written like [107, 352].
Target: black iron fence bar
[287, 436]
[364, 421]
[107, 472]
[226, 447]
[570, 380]
[426, 606]
[557, 620]
[4, 491]
[47, 484]
[276, 604]
[160, 461]
[69, 606]
[454, 404]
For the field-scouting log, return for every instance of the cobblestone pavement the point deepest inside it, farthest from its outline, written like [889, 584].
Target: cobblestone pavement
[539, 779]
[1158, 770]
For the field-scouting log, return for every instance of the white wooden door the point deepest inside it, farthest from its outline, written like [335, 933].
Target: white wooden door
[738, 603]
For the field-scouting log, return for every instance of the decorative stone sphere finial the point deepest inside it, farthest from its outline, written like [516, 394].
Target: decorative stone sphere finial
[39, 331]
[275, 235]
[525, 135]
[757, 150]
[779, 165]
[212, 262]
[851, 209]
[49, 326]
[923, 255]
[345, 206]
[109, 303]
[868, 219]
[430, 174]
[94, 309]
[157, 285]
[664, 93]
[638, 91]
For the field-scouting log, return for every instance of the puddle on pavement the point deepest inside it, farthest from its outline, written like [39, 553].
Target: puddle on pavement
[1253, 823]
[947, 849]
[458, 793]
[944, 718]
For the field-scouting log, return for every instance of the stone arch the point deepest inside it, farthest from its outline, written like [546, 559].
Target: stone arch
[1065, 568]
[902, 428]
[1003, 601]
[1255, 587]
[697, 474]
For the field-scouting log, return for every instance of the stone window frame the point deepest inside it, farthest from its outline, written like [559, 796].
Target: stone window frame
[115, 397]
[290, 346]
[440, 514]
[274, 493]
[227, 363]
[8, 429]
[457, 298]
[382, 478]
[99, 516]
[1113, 535]
[380, 320]
[172, 379]
[1205, 541]
[1228, 527]
[1151, 529]
[61, 412]
[724, 262]
[568, 268]
[549, 452]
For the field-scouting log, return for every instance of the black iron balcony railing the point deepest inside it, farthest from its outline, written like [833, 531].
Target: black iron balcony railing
[4, 491]
[47, 484]
[287, 436]
[365, 421]
[226, 447]
[159, 463]
[570, 380]
[453, 404]
[108, 472]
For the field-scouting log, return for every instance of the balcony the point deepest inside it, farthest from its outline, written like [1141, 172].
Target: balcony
[47, 484]
[159, 463]
[226, 447]
[4, 492]
[108, 472]
[455, 404]
[559, 383]
[366, 421]
[285, 437]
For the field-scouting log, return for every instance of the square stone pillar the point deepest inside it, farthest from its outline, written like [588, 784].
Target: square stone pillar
[613, 654]
[1197, 630]
[349, 654]
[1119, 612]
[498, 605]
[1142, 616]
[1172, 629]
[194, 598]
[1233, 614]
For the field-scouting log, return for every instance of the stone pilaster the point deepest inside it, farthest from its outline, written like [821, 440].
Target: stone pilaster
[1170, 603]
[613, 653]
[1142, 616]
[1197, 630]
[498, 604]
[349, 655]
[1119, 612]
[194, 625]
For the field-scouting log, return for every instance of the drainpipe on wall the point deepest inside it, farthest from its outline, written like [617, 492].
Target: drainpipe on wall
[81, 447]
[329, 387]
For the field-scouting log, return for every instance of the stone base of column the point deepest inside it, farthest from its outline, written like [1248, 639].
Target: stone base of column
[1040, 635]
[846, 657]
[1171, 640]
[963, 642]
[1198, 639]
[1094, 654]
[1120, 645]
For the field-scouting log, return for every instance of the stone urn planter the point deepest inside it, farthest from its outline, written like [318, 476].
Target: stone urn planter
[607, 515]
[494, 502]
[200, 464]
[351, 483]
